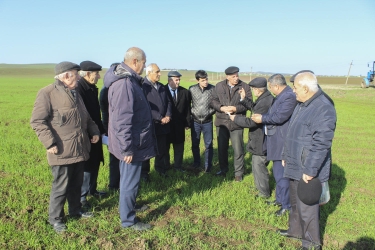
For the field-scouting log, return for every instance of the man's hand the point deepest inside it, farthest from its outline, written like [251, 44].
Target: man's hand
[232, 117]
[257, 118]
[224, 109]
[242, 93]
[53, 150]
[306, 178]
[128, 159]
[165, 120]
[232, 109]
[95, 139]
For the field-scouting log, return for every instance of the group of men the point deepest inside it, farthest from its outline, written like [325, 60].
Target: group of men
[142, 118]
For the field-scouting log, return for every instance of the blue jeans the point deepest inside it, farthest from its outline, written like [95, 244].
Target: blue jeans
[130, 175]
[207, 130]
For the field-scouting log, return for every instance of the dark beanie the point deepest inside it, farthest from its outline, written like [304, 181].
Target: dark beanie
[65, 66]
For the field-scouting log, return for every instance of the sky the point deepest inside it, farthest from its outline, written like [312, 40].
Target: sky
[254, 35]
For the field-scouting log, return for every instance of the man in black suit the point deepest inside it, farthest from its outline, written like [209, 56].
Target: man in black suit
[180, 121]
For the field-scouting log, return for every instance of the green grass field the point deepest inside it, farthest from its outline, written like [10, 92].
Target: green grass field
[190, 210]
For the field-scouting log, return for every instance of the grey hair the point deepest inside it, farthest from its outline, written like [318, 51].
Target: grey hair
[309, 80]
[61, 76]
[134, 53]
[149, 68]
[262, 89]
[277, 79]
[83, 73]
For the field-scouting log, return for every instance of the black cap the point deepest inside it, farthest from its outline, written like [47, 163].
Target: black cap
[299, 72]
[65, 67]
[232, 70]
[174, 73]
[309, 193]
[90, 66]
[258, 82]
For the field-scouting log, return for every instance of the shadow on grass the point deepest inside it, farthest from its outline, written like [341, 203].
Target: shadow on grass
[337, 185]
[363, 243]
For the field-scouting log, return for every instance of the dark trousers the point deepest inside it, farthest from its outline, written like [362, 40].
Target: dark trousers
[282, 185]
[114, 172]
[161, 164]
[66, 185]
[236, 137]
[303, 219]
[178, 150]
[207, 130]
[261, 175]
[130, 175]
[90, 177]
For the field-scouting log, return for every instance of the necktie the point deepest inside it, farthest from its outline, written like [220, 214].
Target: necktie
[174, 96]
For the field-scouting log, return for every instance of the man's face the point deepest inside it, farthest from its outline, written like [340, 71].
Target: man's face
[300, 91]
[174, 82]
[255, 91]
[154, 75]
[140, 65]
[273, 88]
[71, 79]
[203, 82]
[233, 79]
[92, 77]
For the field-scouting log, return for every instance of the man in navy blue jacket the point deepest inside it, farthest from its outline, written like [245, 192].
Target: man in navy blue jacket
[276, 122]
[307, 155]
[131, 135]
[161, 110]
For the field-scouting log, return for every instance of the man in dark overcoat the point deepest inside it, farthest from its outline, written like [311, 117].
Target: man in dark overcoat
[86, 87]
[180, 99]
[226, 100]
[276, 122]
[161, 110]
[256, 144]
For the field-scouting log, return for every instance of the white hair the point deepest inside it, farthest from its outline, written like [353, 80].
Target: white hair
[83, 73]
[149, 68]
[61, 76]
[134, 53]
[309, 80]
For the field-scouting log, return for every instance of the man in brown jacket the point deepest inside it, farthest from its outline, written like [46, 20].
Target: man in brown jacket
[63, 125]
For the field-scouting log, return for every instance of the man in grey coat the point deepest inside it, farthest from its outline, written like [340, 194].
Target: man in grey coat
[63, 125]
[307, 155]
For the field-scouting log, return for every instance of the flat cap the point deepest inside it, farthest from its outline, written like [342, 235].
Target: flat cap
[302, 71]
[65, 66]
[232, 70]
[309, 193]
[258, 82]
[90, 66]
[174, 73]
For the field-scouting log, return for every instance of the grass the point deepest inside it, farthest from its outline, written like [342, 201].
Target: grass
[191, 210]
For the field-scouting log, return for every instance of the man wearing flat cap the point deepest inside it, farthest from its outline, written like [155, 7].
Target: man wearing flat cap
[276, 122]
[180, 99]
[226, 100]
[307, 155]
[64, 127]
[256, 143]
[89, 92]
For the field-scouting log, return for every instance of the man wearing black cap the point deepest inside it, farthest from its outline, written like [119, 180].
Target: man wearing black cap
[276, 122]
[89, 93]
[63, 124]
[256, 141]
[307, 155]
[180, 99]
[226, 100]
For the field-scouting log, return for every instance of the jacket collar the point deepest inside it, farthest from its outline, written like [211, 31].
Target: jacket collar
[135, 76]
[318, 93]
[85, 85]
[264, 95]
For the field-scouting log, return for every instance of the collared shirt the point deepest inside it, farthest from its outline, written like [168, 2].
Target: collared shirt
[231, 87]
[172, 90]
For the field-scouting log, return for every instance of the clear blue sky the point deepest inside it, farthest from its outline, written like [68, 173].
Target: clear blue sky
[268, 35]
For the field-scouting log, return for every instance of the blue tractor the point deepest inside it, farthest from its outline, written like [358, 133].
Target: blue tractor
[370, 76]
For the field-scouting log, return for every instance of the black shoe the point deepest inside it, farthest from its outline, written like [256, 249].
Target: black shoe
[140, 208]
[286, 234]
[238, 178]
[273, 203]
[221, 173]
[82, 215]
[281, 212]
[99, 194]
[261, 196]
[140, 226]
[85, 205]
[59, 227]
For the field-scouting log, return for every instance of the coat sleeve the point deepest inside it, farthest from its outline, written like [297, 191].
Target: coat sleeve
[169, 103]
[215, 101]
[322, 128]
[245, 122]
[239, 107]
[188, 108]
[103, 101]
[247, 103]
[40, 116]
[282, 113]
[123, 102]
